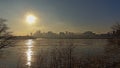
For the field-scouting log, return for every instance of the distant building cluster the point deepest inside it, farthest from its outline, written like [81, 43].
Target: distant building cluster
[71, 35]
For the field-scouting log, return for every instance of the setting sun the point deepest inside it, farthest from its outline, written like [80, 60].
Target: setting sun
[30, 19]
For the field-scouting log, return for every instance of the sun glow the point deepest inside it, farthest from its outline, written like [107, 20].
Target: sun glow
[30, 19]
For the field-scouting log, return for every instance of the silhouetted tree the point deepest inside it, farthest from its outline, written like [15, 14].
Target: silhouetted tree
[116, 30]
[116, 26]
[5, 35]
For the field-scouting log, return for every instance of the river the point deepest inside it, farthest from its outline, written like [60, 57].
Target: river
[25, 53]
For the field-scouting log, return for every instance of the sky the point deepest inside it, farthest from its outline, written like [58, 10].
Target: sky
[60, 15]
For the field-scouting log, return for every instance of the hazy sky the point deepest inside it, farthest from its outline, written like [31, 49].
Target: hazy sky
[61, 15]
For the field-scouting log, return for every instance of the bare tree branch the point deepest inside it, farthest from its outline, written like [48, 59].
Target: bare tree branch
[5, 35]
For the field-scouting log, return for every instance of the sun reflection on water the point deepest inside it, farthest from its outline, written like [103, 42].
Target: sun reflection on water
[29, 52]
